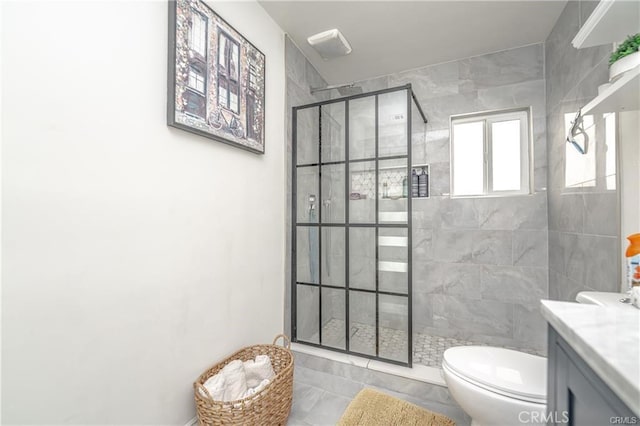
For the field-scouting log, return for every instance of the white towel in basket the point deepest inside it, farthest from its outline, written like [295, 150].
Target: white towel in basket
[235, 380]
[215, 385]
[252, 391]
[258, 370]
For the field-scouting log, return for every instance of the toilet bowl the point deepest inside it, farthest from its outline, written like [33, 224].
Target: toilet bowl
[502, 387]
[497, 386]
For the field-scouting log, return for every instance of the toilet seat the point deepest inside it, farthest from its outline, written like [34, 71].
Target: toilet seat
[506, 372]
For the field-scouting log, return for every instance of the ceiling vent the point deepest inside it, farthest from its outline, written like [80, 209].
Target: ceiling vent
[330, 44]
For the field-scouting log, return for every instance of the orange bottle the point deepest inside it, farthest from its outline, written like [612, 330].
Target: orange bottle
[633, 260]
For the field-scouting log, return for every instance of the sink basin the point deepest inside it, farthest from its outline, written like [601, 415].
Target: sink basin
[601, 298]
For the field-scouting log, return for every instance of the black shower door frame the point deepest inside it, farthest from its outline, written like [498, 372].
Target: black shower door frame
[377, 225]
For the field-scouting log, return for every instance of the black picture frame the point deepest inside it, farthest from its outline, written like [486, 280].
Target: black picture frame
[215, 78]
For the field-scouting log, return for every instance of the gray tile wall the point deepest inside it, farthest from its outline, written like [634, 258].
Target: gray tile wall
[301, 76]
[583, 224]
[480, 265]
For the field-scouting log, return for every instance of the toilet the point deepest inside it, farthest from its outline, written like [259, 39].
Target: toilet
[503, 387]
[497, 386]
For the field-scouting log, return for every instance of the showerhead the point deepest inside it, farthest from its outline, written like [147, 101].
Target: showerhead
[344, 89]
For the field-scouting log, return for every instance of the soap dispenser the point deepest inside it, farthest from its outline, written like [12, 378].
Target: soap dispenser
[414, 183]
[423, 184]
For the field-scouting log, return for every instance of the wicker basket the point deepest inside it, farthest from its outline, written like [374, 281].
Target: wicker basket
[270, 406]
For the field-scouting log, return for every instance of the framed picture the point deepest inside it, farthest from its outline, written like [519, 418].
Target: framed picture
[216, 78]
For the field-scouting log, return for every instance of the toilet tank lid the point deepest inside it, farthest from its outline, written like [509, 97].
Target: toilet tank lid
[504, 370]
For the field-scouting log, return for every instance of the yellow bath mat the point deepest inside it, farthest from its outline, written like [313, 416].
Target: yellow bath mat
[372, 408]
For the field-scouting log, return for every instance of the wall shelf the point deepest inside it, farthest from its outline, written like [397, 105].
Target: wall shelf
[418, 168]
[610, 22]
[622, 95]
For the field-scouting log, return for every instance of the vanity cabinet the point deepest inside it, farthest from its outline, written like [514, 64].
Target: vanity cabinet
[575, 393]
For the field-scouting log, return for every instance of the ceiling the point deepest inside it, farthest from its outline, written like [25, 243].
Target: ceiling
[392, 36]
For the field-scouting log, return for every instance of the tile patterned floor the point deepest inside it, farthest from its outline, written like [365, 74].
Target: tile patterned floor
[362, 338]
[427, 349]
[320, 397]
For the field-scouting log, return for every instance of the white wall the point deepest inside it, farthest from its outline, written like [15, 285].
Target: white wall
[134, 255]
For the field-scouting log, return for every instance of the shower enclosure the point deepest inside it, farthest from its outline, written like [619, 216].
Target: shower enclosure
[351, 236]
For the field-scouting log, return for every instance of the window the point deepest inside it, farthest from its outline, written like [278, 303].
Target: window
[198, 36]
[252, 105]
[490, 154]
[196, 79]
[596, 169]
[195, 104]
[610, 142]
[252, 126]
[228, 72]
[580, 169]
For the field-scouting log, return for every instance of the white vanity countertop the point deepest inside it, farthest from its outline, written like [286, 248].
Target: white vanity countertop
[608, 340]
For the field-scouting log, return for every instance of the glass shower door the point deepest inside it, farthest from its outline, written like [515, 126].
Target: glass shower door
[352, 233]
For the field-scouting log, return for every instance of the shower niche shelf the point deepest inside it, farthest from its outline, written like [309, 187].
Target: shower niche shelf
[397, 176]
[418, 168]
